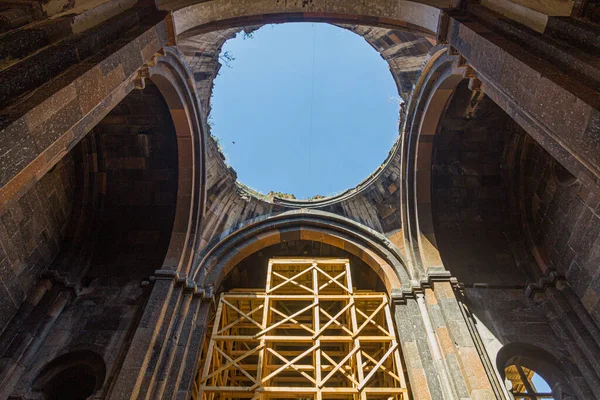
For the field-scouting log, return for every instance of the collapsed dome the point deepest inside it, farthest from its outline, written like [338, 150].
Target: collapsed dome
[322, 90]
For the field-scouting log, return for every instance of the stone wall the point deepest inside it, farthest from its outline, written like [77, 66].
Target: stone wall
[31, 233]
[374, 203]
[126, 191]
[139, 147]
[509, 222]
[85, 74]
[100, 319]
[67, 17]
[562, 214]
[473, 218]
[504, 316]
[139, 157]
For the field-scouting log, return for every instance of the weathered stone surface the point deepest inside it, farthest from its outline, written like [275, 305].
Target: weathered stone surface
[31, 233]
[106, 72]
[125, 197]
[514, 220]
[470, 201]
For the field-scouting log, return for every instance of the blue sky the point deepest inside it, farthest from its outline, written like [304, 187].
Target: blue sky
[312, 109]
[541, 386]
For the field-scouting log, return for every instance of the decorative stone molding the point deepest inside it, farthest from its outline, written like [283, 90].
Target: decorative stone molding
[181, 280]
[552, 280]
[139, 82]
[62, 281]
[399, 296]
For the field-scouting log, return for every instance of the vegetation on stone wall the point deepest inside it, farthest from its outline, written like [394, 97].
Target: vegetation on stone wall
[288, 196]
[226, 58]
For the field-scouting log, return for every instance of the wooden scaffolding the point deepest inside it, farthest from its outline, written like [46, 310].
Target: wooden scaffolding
[309, 334]
[523, 387]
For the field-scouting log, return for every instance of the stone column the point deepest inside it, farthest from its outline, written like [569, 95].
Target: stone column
[422, 375]
[441, 355]
[459, 350]
[136, 362]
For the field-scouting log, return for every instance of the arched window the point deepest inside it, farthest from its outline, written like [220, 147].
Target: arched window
[74, 376]
[532, 373]
[76, 382]
[526, 383]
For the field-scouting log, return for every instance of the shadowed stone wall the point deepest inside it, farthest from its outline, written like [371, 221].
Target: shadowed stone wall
[562, 217]
[140, 153]
[505, 316]
[510, 224]
[125, 193]
[31, 233]
[472, 214]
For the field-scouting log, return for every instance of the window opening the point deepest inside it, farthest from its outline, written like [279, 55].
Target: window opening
[75, 376]
[308, 334]
[526, 384]
[75, 383]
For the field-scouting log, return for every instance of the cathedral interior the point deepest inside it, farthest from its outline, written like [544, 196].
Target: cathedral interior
[134, 265]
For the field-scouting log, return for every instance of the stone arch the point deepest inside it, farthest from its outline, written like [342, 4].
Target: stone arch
[374, 249]
[176, 83]
[191, 19]
[433, 111]
[553, 370]
[56, 377]
[172, 85]
[433, 90]
[165, 95]
[175, 160]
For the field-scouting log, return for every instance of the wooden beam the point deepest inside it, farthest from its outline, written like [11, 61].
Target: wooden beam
[298, 343]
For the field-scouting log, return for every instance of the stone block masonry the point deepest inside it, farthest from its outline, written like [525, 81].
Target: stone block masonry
[32, 228]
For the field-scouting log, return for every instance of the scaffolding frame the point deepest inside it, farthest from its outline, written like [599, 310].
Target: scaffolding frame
[308, 335]
[523, 387]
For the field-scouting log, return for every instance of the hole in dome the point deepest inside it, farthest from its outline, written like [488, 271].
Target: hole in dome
[303, 110]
